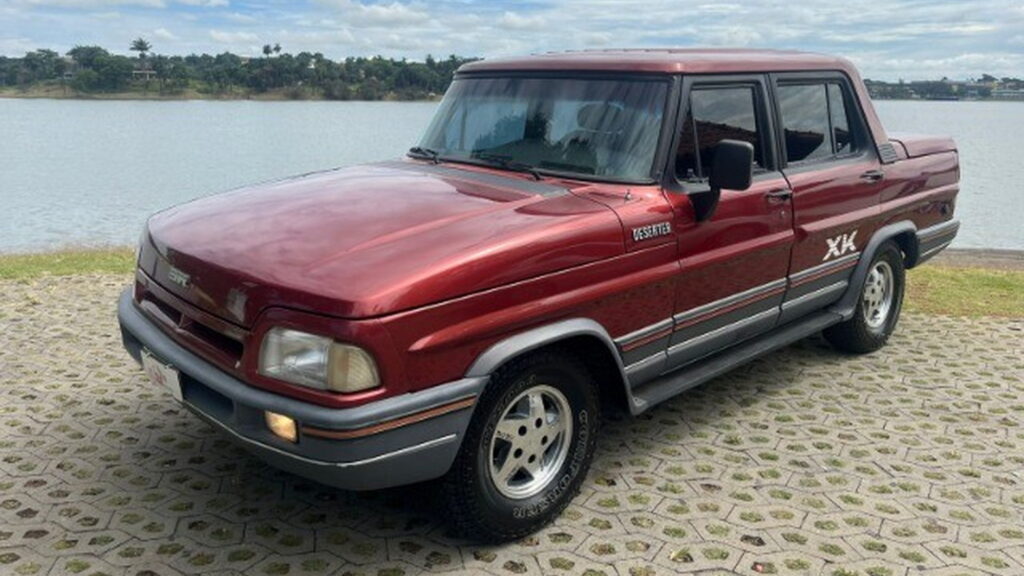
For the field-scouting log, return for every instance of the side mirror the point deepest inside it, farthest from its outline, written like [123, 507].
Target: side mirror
[731, 169]
[733, 166]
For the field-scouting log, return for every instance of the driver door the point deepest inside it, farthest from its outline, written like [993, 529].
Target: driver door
[733, 266]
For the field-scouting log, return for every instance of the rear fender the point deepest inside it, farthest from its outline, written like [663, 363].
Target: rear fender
[904, 233]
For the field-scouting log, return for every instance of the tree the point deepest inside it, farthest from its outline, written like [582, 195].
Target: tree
[141, 46]
[86, 56]
[42, 65]
[300, 75]
[8, 71]
[114, 72]
[86, 80]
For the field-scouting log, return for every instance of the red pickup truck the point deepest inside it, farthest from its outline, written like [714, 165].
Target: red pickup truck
[574, 230]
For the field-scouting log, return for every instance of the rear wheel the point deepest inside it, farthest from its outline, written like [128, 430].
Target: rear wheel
[878, 308]
[527, 449]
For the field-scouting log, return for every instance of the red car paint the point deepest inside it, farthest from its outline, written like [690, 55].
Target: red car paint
[426, 271]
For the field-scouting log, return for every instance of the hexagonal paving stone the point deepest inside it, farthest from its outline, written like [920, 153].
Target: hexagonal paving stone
[907, 461]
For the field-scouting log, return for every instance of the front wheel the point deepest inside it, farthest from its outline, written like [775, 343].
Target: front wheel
[527, 449]
[878, 308]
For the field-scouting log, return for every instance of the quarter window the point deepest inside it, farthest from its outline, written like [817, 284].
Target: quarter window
[842, 139]
[815, 122]
[716, 114]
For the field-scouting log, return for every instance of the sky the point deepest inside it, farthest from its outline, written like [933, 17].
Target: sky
[888, 40]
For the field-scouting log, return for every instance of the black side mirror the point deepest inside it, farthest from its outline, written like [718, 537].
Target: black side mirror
[731, 169]
[733, 166]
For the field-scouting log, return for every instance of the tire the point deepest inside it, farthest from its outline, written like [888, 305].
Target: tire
[878, 306]
[514, 473]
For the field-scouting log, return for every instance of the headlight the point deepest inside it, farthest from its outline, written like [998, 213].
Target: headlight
[316, 362]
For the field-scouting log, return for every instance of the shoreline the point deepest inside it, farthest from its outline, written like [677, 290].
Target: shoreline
[281, 96]
[990, 258]
[270, 96]
[944, 100]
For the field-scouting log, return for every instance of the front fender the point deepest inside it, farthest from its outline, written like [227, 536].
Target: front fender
[519, 344]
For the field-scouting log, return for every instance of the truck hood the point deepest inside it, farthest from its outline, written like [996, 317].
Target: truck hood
[371, 240]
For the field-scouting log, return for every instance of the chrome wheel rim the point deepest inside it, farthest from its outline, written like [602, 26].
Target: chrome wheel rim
[877, 297]
[530, 442]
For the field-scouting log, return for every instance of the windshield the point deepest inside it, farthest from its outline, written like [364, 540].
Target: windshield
[593, 128]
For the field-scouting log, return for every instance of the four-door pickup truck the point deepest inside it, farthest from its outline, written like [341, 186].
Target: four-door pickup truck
[573, 230]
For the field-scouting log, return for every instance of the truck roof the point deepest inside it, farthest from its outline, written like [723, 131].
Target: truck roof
[667, 60]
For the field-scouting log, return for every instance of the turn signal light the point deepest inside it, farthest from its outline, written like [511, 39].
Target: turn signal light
[282, 426]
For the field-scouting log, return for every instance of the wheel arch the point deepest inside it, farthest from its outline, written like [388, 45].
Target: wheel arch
[904, 234]
[582, 337]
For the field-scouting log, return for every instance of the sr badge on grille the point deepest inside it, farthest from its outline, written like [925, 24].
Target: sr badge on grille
[651, 231]
[178, 277]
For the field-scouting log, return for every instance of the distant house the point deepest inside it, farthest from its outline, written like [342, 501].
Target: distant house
[1008, 93]
[144, 74]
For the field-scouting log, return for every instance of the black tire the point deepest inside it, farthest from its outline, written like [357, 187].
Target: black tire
[858, 335]
[477, 508]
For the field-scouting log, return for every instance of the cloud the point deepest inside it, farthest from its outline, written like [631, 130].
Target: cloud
[16, 46]
[100, 4]
[232, 37]
[164, 34]
[92, 4]
[380, 15]
[240, 18]
[514, 21]
[204, 3]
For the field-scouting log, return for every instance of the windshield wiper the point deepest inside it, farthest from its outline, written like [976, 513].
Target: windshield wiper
[509, 164]
[425, 153]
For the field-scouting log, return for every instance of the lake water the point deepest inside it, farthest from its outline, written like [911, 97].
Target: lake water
[76, 172]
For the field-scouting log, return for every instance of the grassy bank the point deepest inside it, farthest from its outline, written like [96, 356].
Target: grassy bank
[931, 289]
[935, 289]
[66, 263]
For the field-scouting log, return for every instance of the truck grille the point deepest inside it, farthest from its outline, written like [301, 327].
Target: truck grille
[214, 339]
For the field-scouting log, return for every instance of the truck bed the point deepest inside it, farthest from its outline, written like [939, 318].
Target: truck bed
[917, 145]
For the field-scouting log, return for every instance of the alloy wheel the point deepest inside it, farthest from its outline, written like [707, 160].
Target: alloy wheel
[877, 298]
[530, 442]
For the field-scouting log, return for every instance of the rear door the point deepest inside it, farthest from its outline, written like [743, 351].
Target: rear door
[733, 266]
[836, 178]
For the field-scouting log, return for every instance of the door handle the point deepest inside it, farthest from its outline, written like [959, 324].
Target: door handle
[872, 176]
[780, 195]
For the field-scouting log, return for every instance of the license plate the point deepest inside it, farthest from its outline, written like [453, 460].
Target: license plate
[162, 374]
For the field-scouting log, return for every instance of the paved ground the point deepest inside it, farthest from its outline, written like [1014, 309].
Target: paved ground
[910, 461]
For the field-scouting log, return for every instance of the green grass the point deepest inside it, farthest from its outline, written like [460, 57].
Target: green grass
[67, 262]
[965, 291]
[931, 289]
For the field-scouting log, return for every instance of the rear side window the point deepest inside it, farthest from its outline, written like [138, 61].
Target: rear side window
[842, 138]
[815, 122]
[716, 114]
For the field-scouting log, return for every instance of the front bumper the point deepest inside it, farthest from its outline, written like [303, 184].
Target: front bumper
[399, 440]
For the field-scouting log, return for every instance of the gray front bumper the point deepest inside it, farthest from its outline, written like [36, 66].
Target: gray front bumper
[411, 453]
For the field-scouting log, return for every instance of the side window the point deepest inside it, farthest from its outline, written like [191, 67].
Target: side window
[805, 122]
[815, 121]
[842, 139]
[716, 114]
